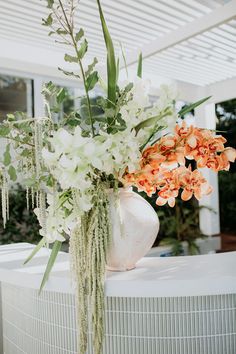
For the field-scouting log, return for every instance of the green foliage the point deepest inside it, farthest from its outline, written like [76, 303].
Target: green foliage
[226, 114]
[140, 65]
[36, 249]
[70, 58]
[192, 106]
[7, 156]
[91, 67]
[79, 35]
[12, 173]
[227, 193]
[152, 121]
[23, 225]
[48, 21]
[82, 50]
[91, 80]
[55, 250]
[111, 60]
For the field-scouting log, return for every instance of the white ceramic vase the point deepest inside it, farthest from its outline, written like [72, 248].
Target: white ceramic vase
[135, 226]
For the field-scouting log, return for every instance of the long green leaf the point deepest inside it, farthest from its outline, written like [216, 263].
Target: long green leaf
[151, 121]
[117, 69]
[140, 65]
[189, 108]
[35, 250]
[56, 248]
[124, 60]
[111, 60]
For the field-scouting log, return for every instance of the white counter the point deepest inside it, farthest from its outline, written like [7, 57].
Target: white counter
[183, 303]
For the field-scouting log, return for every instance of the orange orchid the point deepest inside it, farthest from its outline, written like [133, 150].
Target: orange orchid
[156, 171]
[193, 183]
[169, 190]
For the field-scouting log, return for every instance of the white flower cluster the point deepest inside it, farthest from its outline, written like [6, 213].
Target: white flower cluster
[74, 160]
[59, 220]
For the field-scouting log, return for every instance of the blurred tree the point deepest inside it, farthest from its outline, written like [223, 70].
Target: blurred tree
[226, 114]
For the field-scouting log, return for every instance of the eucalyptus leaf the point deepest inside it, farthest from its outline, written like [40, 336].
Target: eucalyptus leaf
[61, 95]
[12, 173]
[83, 49]
[189, 108]
[69, 73]
[70, 58]
[7, 156]
[41, 243]
[55, 250]
[61, 31]
[79, 34]
[91, 67]
[91, 80]
[50, 4]
[48, 21]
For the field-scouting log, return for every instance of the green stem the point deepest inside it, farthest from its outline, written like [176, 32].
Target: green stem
[19, 141]
[70, 30]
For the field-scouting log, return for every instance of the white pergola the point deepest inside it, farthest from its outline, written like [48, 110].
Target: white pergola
[189, 42]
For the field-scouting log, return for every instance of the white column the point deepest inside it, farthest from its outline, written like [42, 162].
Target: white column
[209, 219]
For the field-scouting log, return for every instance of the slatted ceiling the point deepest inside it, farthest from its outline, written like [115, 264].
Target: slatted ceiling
[173, 63]
[206, 58]
[204, 6]
[135, 18]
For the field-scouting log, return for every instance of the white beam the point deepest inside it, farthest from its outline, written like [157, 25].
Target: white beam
[215, 18]
[222, 91]
[209, 219]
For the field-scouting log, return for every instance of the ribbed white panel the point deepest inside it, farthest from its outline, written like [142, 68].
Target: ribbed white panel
[46, 324]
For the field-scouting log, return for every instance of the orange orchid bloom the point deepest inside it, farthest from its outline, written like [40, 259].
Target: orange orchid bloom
[156, 171]
[193, 183]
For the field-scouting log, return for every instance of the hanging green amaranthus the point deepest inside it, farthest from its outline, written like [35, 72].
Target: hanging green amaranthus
[89, 243]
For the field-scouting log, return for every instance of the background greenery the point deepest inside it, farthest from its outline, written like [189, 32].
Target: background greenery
[23, 224]
[226, 114]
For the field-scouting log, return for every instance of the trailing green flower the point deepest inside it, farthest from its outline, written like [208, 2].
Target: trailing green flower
[89, 243]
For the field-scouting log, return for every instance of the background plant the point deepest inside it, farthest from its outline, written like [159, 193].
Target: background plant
[226, 114]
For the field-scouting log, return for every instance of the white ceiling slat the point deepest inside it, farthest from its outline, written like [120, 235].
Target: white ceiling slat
[228, 28]
[199, 6]
[119, 12]
[225, 34]
[217, 44]
[219, 39]
[165, 15]
[182, 7]
[167, 10]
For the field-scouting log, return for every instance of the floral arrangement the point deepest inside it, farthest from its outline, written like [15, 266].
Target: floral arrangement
[68, 166]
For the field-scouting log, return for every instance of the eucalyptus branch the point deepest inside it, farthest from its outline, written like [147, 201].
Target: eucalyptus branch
[20, 141]
[70, 29]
